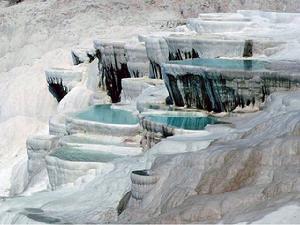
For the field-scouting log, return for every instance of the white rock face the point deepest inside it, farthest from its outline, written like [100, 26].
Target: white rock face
[57, 125]
[68, 78]
[77, 99]
[63, 172]
[137, 60]
[83, 55]
[13, 152]
[246, 166]
[132, 88]
[157, 52]
[38, 147]
[152, 97]
[74, 126]
[250, 163]
[205, 47]
[209, 26]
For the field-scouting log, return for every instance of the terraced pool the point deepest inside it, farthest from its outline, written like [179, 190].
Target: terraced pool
[83, 155]
[106, 114]
[231, 64]
[183, 122]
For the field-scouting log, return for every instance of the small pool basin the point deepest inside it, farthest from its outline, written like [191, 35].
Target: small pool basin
[227, 64]
[184, 121]
[83, 155]
[106, 114]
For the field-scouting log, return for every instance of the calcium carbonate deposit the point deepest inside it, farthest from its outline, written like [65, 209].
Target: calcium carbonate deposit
[126, 111]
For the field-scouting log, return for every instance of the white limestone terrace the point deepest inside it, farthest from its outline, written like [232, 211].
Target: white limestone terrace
[158, 125]
[132, 88]
[62, 81]
[220, 85]
[106, 141]
[57, 125]
[213, 188]
[103, 119]
[175, 122]
[94, 189]
[137, 60]
[66, 75]
[70, 165]
[233, 35]
[83, 55]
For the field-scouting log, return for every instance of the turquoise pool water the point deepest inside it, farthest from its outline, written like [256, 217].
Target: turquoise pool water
[233, 64]
[183, 122]
[105, 114]
[83, 155]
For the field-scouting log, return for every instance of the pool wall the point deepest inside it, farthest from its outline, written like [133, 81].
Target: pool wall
[38, 147]
[61, 81]
[132, 88]
[74, 125]
[154, 132]
[61, 172]
[223, 90]
[57, 125]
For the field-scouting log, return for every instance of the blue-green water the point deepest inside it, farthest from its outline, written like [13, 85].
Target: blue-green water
[105, 114]
[233, 64]
[183, 122]
[83, 155]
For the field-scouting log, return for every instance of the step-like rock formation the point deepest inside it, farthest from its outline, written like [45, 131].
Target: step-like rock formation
[213, 88]
[253, 165]
[66, 165]
[38, 147]
[119, 60]
[112, 57]
[159, 125]
[180, 47]
[82, 55]
[61, 81]
[57, 125]
[137, 60]
[103, 119]
[132, 88]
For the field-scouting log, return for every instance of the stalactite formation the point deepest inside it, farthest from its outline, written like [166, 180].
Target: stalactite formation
[113, 76]
[56, 88]
[221, 92]
[182, 55]
[155, 70]
[83, 55]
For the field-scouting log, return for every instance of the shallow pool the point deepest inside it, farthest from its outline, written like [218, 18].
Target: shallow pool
[183, 122]
[233, 64]
[83, 155]
[105, 114]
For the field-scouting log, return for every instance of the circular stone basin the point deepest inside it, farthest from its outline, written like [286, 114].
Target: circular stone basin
[229, 64]
[106, 114]
[183, 122]
[83, 155]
